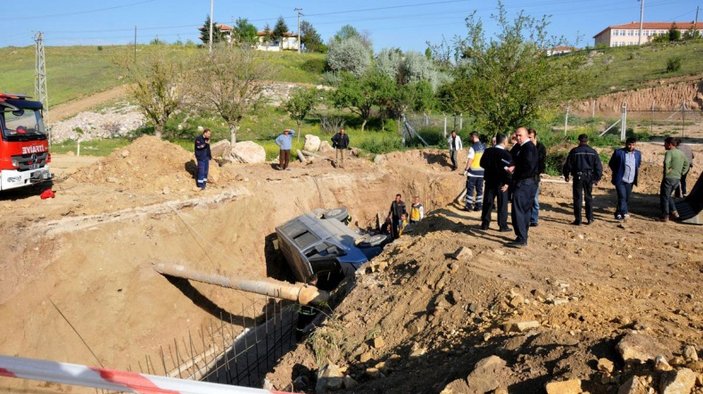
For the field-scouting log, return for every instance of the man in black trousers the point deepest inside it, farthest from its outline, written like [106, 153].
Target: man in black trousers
[524, 169]
[583, 164]
[495, 162]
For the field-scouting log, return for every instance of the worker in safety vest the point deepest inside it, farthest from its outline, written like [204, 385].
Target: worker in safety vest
[474, 174]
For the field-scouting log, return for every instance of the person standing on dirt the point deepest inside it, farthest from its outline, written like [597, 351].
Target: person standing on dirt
[203, 157]
[284, 142]
[542, 167]
[583, 164]
[417, 211]
[454, 143]
[681, 191]
[474, 174]
[524, 169]
[625, 165]
[675, 165]
[396, 213]
[495, 161]
[340, 142]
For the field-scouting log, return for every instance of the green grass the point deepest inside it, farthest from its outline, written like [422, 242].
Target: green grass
[625, 68]
[78, 71]
[92, 148]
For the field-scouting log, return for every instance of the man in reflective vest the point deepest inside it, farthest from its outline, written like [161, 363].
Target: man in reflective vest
[474, 174]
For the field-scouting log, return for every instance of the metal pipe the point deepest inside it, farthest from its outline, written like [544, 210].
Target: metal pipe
[301, 293]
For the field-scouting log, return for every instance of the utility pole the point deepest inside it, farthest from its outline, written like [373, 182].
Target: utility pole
[639, 39]
[135, 43]
[695, 26]
[300, 44]
[40, 73]
[212, 11]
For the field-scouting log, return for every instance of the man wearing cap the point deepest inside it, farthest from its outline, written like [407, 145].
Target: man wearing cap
[203, 157]
[583, 164]
[625, 166]
[524, 169]
[285, 142]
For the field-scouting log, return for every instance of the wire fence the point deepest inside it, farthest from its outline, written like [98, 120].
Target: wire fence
[230, 350]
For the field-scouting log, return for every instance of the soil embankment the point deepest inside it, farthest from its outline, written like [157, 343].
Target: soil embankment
[663, 95]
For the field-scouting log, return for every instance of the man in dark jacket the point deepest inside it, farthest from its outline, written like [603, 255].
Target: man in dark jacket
[541, 167]
[625, 165]
[583, 164]
[495, 161]
[340, 142]
[203, 157]
[396, 212]
[524, 169]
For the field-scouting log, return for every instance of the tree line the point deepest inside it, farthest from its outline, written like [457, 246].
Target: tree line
[501, 82]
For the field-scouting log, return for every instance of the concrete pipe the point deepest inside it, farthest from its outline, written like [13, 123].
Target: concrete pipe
[301, 293]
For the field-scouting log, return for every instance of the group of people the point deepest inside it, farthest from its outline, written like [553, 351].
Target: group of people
[514, 176]
[398, 217]
[507, 176]
[340, 143]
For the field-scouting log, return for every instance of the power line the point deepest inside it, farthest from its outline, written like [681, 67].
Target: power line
[14, 18]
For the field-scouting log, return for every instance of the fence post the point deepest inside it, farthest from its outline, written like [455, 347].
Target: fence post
[683, 118]
[623, 122]
[461, 121]
[566, 119]
[445, 126]
[651, 119]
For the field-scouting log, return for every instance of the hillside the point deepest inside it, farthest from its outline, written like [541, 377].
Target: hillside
[79, 71]
[627, 68]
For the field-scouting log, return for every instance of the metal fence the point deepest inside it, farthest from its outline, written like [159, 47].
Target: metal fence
[230, 350]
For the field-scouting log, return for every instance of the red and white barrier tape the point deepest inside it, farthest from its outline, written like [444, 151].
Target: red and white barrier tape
[111, 379]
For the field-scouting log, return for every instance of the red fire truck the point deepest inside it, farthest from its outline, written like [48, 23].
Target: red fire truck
[24, 148]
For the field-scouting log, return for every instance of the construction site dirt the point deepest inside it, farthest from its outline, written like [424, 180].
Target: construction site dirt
[78, 284]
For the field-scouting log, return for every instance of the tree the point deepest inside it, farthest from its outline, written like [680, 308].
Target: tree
[231, 82]
[280, 29]
[299, 105]
[310, 38]
[674, 33]
[244, 32]
[357, 94]
[157, 85]
[349, 55]
[267, 34]
[217, 35]
[349, 31]
[505, 81]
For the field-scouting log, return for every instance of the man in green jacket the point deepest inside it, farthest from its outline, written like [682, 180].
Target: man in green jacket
[675, 165]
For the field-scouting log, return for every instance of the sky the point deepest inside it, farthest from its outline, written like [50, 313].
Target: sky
[405, 24]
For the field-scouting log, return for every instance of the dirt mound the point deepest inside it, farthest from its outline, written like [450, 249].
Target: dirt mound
[147, 164]
[422, 316]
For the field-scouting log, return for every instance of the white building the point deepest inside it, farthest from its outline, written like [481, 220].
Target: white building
[289, 42]
[629, 33]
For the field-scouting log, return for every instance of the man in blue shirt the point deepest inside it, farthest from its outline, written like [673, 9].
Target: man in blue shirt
[625, 165]
[203, 157]
[285, 142]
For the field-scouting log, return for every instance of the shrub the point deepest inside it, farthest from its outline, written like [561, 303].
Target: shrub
[349, 55]
[673, 64]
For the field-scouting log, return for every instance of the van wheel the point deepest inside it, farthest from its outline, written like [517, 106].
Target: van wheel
[375, 240]
[341, 214]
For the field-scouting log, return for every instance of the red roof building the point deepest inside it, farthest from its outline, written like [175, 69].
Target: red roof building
[629, 33]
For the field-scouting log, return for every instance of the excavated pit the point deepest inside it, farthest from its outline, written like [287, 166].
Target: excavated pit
[85, 259]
